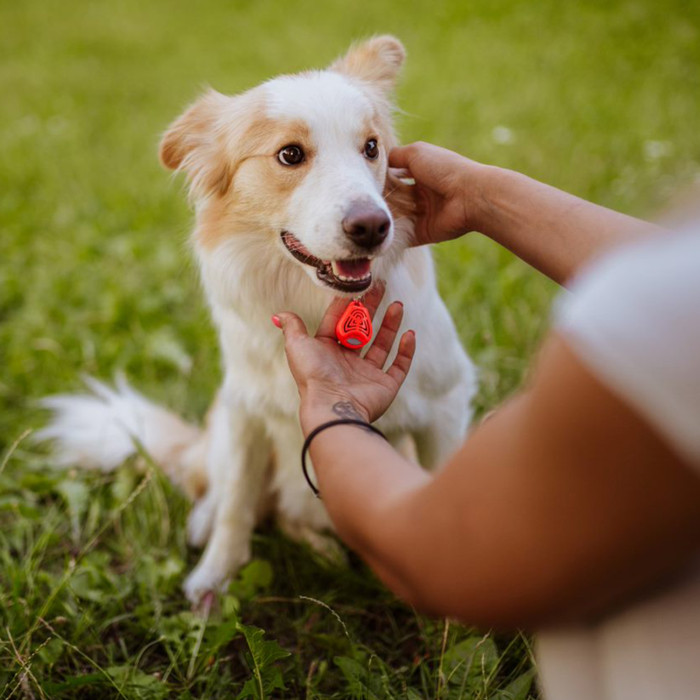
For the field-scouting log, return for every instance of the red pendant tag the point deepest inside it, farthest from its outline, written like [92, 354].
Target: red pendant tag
[354, 327]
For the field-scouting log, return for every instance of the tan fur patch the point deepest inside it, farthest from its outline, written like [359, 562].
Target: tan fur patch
[261, 187]
[400, 197]
[191, 144]
[377, 61]
[267, 136]
[195, 483]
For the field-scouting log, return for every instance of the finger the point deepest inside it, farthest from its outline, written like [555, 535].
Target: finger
[371, 300]
[384, 340]
[292, 327]
[401, 157]
[404, 357]
[326, 328]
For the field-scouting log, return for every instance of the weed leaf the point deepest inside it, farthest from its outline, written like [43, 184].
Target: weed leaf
[266, 676]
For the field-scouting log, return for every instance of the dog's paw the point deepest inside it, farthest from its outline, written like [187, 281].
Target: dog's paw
[324, 545]
[202, 585]
[201, 521]
[207, 603]
[214, 571]
[327, 547]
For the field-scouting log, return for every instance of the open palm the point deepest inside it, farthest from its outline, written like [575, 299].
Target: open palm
[326, 371]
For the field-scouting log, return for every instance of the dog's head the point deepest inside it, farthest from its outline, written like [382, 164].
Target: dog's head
[300, 160]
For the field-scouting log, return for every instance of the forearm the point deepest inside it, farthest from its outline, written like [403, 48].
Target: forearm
[361, 478]
[555, 232]
[503, 534]
[401, 521]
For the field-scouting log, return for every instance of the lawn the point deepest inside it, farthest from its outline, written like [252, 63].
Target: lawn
[598, 98]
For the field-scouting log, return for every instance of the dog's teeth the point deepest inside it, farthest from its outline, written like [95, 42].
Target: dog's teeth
[343, 278]
[335, 267]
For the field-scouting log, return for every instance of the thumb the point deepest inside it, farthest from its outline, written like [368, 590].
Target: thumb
[292, 326]
[400, 157]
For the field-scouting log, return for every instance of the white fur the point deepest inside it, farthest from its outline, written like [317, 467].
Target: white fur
[102, 429]
[252, 442]
[335, 110]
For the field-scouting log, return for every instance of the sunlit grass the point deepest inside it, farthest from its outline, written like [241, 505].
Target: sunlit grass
[95, 276]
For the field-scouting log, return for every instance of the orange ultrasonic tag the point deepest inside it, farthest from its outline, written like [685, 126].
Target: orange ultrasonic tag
[354, 327]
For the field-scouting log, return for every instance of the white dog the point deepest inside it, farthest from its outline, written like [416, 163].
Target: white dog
[294, 205]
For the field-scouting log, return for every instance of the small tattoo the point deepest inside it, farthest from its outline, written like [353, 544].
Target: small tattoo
[345, 409]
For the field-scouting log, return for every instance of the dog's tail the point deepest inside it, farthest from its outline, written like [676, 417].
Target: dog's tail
[102, 428]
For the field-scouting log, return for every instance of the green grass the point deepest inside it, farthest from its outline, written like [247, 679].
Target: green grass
[598, 98]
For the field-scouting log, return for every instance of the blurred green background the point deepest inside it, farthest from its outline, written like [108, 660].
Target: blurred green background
[598, 98]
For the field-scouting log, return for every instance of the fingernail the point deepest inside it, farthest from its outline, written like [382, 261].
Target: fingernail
[400, 303]
[276, 321]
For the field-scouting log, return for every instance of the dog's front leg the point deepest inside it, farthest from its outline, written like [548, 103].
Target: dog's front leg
[300, 515]
[447, 429]
[237, 465]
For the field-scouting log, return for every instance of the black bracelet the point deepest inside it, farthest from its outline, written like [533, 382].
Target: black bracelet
[320, 428]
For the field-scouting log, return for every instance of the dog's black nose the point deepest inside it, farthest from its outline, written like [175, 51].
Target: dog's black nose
[366, 224]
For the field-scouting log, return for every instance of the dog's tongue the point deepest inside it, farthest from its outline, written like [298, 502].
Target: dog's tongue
[356, 269]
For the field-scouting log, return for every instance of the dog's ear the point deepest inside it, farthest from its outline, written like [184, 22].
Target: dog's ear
[376, 61]
[193, 144]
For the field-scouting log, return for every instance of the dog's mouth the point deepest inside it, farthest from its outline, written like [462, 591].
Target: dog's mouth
[348, 276]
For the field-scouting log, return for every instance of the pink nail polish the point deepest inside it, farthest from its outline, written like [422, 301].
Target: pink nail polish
[276, 321]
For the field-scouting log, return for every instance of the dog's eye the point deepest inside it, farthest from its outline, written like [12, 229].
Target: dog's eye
[371, 149]
[291, 155]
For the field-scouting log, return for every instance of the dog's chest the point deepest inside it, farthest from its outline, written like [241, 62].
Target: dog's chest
[257, 374]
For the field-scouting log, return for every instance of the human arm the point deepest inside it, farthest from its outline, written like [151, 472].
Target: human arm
[561, 504]
[555, 232]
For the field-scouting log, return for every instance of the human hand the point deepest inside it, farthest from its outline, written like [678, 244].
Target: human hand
[448, 190]
[329, 375]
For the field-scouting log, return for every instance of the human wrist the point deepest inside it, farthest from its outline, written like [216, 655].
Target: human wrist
[485, 190]
[319, 405]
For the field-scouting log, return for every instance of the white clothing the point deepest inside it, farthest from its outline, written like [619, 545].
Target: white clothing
[634, 320]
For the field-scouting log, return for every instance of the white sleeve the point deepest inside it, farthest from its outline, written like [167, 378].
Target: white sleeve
[634, 319]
